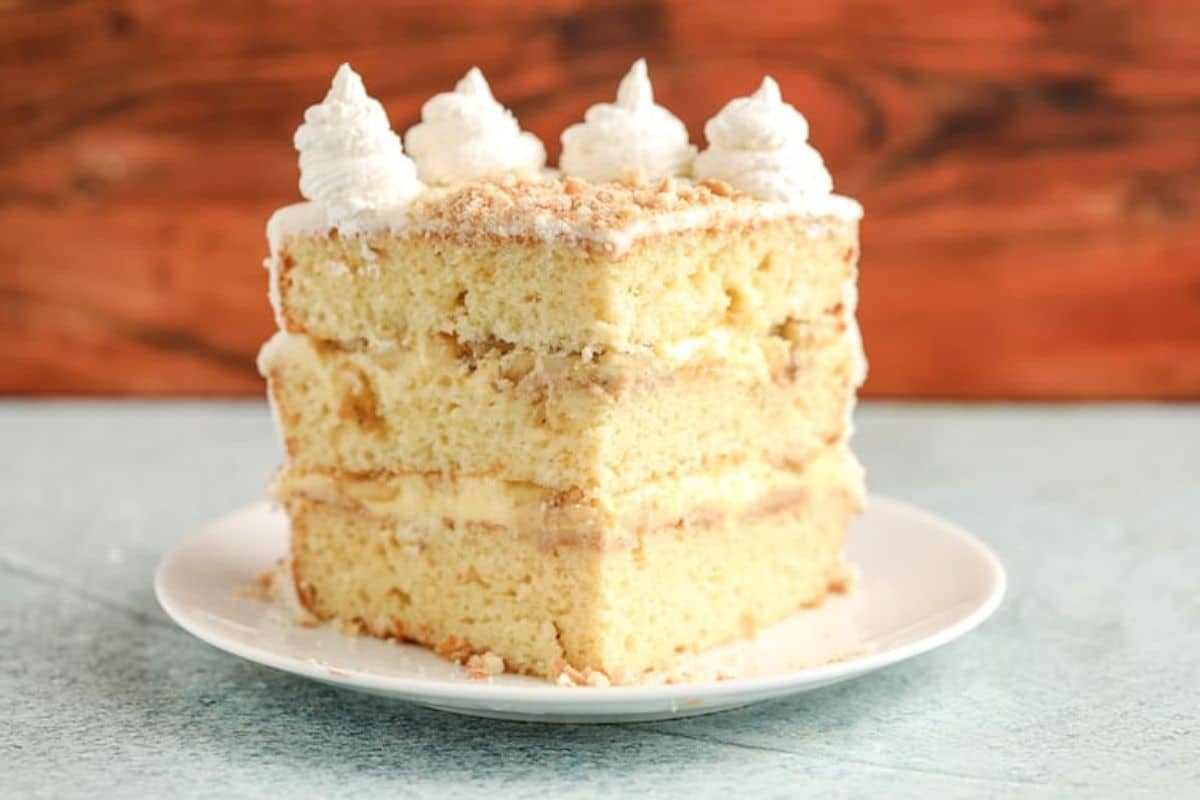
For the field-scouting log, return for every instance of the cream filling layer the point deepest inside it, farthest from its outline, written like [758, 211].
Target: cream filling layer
[615, 372]
[721, 345]
[764, 357]
[712, 497]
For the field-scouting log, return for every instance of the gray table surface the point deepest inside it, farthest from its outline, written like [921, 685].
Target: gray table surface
[1085, 683]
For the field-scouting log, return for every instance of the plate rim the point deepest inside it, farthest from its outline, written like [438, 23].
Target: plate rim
[433, 690]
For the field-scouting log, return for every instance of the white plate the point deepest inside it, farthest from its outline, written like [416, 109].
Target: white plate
[923, 583]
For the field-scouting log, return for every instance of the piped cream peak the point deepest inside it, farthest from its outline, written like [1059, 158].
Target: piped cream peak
[351, 162]
[759, 144]
[347, 86]
[466, 134]
[473, 84]
[769, 92]
[630, 138]
[635, 92]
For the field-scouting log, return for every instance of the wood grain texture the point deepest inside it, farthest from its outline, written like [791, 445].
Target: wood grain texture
[1031, 170]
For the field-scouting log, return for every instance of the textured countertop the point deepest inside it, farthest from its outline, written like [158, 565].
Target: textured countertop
[1085, 683]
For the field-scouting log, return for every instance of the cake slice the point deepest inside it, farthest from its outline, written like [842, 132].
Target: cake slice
[587, 422]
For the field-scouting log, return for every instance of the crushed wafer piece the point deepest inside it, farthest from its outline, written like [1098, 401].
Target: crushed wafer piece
[353, 627]
[563, 674]
[717, 187]
[597, 679]
[454, 649]
[484, 665]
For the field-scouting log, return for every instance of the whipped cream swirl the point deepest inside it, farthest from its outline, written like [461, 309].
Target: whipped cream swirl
[631, 138]
[351, 162]
[759, 144]
[466, 134]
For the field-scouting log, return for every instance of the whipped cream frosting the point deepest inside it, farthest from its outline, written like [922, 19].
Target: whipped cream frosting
[759, 144]
[632, 137]
[351, 161]
[466, 134]
[484, 173]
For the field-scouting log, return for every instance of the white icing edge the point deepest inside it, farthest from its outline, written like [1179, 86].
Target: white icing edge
[267, 355]
[308, 218]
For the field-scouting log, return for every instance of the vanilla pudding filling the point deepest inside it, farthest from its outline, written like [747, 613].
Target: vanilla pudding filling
[728, 492]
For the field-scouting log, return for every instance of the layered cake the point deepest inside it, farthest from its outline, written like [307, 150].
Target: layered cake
[584, 420]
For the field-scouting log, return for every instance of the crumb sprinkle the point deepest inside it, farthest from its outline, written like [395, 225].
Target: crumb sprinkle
[540, 208]
[484, 665]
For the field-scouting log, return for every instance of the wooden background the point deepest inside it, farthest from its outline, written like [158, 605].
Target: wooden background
[1031, 170]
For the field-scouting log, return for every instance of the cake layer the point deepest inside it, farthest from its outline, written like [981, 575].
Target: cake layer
[493, 261]
[464, 587]
[551, 517]
[612, 422]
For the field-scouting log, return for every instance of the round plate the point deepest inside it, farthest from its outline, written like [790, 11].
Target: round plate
[922, 583]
